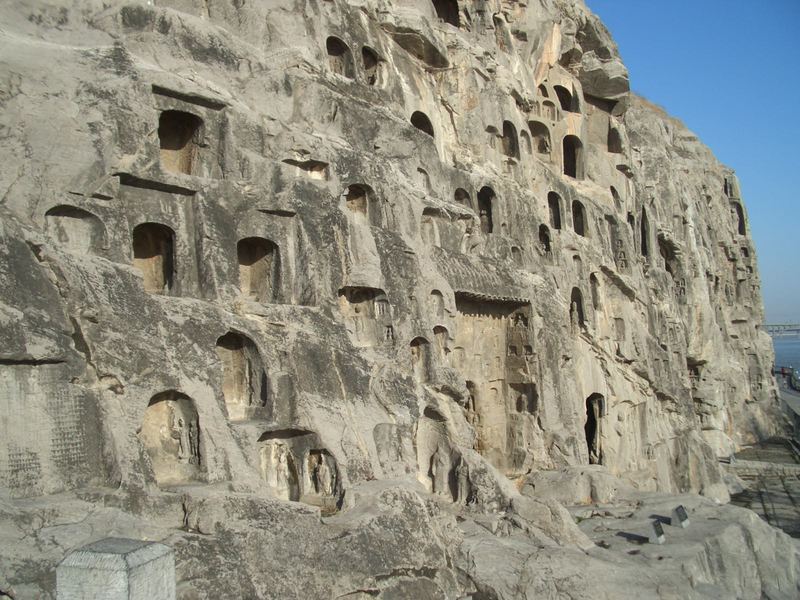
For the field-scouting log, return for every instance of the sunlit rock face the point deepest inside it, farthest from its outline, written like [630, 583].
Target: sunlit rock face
[265, 262]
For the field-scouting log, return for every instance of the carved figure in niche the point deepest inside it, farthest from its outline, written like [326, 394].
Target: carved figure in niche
[186, 436]
[322, 476]
[277, 467]
[622, 259]
[440, 471]
[485, 223]
[573, 317]
[462, 481]
[388, 334]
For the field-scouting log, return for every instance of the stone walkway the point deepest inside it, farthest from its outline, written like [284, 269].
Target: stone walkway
[771, 471]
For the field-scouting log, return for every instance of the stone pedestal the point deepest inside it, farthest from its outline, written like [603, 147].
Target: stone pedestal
[117, 569]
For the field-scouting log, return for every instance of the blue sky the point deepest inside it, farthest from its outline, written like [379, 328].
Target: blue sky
[730, 70]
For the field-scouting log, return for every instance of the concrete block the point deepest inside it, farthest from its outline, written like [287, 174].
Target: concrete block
[117, 569]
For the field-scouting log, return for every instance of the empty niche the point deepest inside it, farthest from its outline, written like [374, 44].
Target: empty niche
[614, 140]
[594, 285]
[668, 253]
[595, 410]
[485, 206]
[544, 239]
[437, 304]
[340, 59]
[577, 316]
[461, 196]
[429, 227]
[179, 136]
[525, 397]
[578, 218]
[510, 143]
[170, 434]
[424, 180]
[568, 101]
[516, 255]
[442, 339]
[616, 198]
[421, 121]
[525, 142]
[737, 214]
[154, 256]
[573, 157]
[541, 138]
[447, 11]
[554, 205]
[313, 169]
[644, 242]
[259, 269]
[279, 470]
[373, 66]
[360, 202]
[619, 329]
[421, 359]
[244, 380]
[74, 230]
[549, 110]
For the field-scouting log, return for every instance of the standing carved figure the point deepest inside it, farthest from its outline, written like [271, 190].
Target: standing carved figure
[573, 317]
[440, 471]
[323, 477]
[194, 443]
[282, 473]
[462, 477]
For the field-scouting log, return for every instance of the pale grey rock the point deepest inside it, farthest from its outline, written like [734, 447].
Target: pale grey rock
[346, 300]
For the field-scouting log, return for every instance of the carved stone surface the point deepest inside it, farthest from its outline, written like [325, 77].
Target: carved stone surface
[312, 280]
[118, 569]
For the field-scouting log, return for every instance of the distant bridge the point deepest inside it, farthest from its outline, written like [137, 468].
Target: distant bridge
[782, 329]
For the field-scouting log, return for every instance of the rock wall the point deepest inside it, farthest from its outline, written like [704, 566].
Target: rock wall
[281, 250]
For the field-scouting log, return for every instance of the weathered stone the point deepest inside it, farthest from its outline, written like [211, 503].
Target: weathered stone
[357, 296]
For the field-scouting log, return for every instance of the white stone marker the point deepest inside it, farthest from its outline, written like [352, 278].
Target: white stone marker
[680, 518]
[117, 569]
[656, 533]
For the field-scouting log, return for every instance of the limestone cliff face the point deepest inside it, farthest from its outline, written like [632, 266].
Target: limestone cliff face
[276, 250]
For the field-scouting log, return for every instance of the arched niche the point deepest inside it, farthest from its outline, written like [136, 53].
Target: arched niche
[154, 255]
[74, 229]
[594, 285]
[170, 434]
[595, 410]
[549, 110]
[245, 386]
[541, 138]
[573, 157]
[577, 315]
[568, 101]
[486, 198]
[614, 141]
[373, 66]
[429, 228]
[437, 304]
[644, 242]
[180, 140]
[447, 11]
[259, 269]
[361, 204]
[737, 213]
[554, 206]
[544, 239]
[461, 196]
[340, 59]
[510, 141]
[579, 218]
[442, 339]
[421, 121]
[421, 359]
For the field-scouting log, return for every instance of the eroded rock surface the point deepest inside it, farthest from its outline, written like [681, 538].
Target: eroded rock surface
[312, 291]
